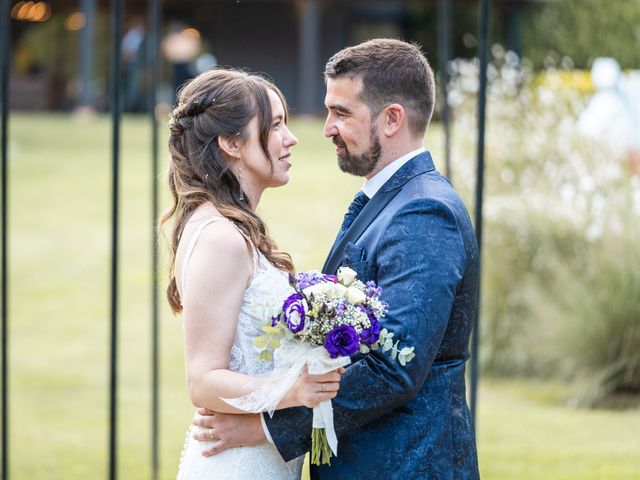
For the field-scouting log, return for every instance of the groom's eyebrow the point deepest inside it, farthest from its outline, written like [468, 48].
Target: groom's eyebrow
[339, 108]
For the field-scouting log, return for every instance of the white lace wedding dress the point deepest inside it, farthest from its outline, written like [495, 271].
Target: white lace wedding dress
[260, 461]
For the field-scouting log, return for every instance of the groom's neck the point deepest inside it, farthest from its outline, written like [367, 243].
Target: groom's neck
[393, 150]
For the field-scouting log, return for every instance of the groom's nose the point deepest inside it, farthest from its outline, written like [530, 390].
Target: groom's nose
[330, 129]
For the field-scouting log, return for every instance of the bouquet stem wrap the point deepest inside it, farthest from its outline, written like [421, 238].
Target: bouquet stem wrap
[289, 360]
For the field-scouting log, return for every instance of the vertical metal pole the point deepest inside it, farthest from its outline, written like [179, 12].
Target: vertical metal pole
[444, 54]
[153, 40]
[115, 150]
[514, 28]
[483, 53]
[86, 53]
[5, 55]
[308, 54]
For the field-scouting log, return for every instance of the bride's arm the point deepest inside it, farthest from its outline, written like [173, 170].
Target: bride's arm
[218, 273]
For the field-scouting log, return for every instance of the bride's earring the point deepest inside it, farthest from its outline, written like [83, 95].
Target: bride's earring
[241, 196]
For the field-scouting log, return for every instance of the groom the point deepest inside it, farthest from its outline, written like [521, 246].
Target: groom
[408, 231]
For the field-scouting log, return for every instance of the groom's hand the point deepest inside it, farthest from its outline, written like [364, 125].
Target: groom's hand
[227, 430]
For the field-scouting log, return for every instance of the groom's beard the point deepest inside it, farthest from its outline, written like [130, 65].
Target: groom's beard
[359, 165]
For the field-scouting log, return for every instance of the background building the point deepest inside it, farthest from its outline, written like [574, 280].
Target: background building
[60, 49]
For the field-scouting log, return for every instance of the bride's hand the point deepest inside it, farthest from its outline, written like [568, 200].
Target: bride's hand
[310, 390]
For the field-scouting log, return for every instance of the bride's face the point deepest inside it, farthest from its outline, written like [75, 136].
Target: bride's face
[256, 167]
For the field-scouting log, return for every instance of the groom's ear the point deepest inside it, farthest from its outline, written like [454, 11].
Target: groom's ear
[394, 118]
[230, 145]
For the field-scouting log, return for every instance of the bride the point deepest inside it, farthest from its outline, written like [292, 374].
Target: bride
[229, 142]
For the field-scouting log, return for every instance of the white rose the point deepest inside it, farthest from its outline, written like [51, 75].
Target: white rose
[346, 275]
[337, 289]
[355, 296]
[317, 289]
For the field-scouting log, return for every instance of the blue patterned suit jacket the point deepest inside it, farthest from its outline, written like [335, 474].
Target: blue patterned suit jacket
[414, 238]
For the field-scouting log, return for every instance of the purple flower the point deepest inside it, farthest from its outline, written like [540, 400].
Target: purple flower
[331, 278]
[294, 311]
[340, 308]
[372, 290]
[370, 335]
[307, 279]
[342, 341]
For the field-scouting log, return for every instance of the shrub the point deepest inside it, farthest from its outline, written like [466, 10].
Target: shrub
[561, 277]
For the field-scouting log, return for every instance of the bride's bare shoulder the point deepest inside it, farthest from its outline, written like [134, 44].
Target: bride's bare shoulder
[214, 246]
[222, 238]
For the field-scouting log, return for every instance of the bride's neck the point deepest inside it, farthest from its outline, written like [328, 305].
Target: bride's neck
[253, 194]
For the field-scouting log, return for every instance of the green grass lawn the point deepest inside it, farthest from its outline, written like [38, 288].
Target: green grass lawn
[59, 317]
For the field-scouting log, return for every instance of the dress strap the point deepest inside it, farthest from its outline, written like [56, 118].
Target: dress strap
[255, 253]
[191, 247]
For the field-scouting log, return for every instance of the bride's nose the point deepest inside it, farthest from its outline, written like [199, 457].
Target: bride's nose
[290, 139]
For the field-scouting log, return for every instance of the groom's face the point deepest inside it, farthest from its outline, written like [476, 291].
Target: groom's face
[350, 127]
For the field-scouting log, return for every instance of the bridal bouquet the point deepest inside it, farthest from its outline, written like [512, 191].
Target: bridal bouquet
[321, 323]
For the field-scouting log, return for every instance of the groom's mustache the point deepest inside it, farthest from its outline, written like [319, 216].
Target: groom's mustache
[337, 141]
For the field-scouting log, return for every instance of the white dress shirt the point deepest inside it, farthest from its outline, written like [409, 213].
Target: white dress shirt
[264, 427]
[370, 188]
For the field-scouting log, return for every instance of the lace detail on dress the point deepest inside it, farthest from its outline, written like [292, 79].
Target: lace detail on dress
[261, 301]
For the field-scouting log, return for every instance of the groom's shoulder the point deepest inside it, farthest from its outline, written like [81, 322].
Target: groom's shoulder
[428, 186]
[420, 197]
[427, 194]
[420, 188]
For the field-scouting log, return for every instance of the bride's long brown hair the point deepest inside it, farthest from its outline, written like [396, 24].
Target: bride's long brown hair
[217, 103]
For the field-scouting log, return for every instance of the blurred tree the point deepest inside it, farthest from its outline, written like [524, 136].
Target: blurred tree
[584, 30]
[422, 26]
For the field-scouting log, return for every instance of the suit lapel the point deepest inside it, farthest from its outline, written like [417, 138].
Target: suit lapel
[416, 166]
[360, 224]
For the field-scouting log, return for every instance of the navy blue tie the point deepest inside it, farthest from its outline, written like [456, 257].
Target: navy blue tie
[358, 203]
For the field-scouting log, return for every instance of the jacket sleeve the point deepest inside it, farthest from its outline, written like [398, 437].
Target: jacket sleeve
[420, 261]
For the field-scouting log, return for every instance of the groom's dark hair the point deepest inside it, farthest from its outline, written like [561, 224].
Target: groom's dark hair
[392, 71]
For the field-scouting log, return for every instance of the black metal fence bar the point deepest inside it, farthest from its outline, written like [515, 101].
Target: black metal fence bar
[483, 53]
[85, 63]
[115, 150]
[153, 39]
[5, 55]
[444, 54]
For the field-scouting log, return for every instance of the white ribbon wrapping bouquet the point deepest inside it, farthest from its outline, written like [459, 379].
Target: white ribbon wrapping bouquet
[289, 361]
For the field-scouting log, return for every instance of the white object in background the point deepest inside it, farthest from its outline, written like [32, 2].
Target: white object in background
[612, 115]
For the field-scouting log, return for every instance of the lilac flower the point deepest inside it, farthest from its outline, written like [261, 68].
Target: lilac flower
[340, 308]
[342, 341]
[307, 279]
[294, 311]
[372, 290]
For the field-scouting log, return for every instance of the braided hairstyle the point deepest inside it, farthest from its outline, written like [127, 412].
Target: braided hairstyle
[217, 103]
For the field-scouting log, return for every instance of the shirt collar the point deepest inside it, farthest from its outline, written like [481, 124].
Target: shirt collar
[375, 183]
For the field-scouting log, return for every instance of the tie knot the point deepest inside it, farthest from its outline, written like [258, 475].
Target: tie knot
[358, 203]
[356, 206]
